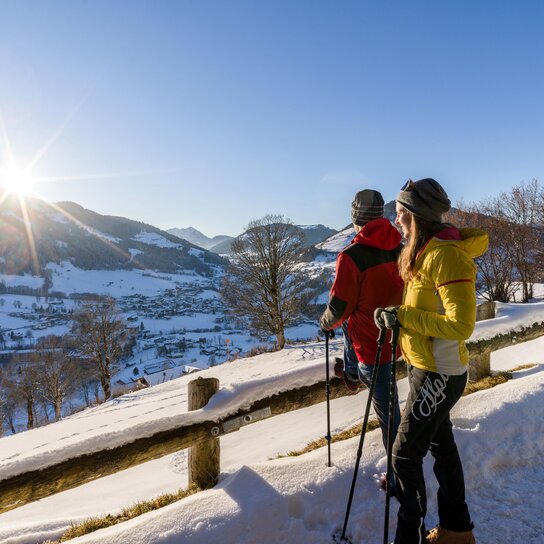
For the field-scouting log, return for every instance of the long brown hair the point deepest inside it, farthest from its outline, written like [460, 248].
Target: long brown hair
[422, 232]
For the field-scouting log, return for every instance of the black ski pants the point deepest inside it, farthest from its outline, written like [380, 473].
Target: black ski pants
[426, 426]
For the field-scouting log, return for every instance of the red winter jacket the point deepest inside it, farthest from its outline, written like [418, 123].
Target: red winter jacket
[366, 278]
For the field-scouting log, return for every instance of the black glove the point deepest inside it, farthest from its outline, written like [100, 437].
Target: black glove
[386, 317]
[330, 334]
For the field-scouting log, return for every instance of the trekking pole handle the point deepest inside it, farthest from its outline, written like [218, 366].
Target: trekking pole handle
[381, 336]
[395, 335]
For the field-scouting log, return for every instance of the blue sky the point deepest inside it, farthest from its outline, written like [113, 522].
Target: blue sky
[212, 113]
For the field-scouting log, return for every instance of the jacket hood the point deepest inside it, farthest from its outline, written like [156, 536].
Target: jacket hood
[378, 233]
[472, 240]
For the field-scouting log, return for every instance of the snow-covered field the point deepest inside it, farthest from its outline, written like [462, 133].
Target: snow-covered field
[34, 282]
[500, 433]
[116, 283]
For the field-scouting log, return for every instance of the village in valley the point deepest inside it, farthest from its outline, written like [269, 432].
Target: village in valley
[181, 329]
[164, 353]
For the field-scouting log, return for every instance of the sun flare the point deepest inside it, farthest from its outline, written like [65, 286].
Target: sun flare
[16, 180]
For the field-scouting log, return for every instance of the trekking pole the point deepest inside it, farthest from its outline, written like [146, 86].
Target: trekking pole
[390, 438]
[328, 394]
[373, 378]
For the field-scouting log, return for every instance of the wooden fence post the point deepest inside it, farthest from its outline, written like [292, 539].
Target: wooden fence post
[480, 366]
[204, 458]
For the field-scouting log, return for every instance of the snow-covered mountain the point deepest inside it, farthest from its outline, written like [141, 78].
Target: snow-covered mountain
[313, 234]
[66, 232]
[221, 244]
[198, 238]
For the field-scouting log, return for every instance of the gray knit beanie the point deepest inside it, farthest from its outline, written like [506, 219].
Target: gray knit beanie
[425, 198]
[366, 206]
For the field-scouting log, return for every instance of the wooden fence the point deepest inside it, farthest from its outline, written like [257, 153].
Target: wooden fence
[203, 438]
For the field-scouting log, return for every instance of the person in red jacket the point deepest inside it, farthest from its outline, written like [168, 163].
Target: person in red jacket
[366, 278]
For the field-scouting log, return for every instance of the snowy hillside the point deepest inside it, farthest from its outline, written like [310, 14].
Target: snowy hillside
[65, 232]
[335, 243]
[500, 433]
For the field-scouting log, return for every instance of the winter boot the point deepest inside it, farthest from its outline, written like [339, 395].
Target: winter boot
[439, 535]
[339, 372]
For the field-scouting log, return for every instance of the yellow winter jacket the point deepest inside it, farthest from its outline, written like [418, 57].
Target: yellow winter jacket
[439, 304]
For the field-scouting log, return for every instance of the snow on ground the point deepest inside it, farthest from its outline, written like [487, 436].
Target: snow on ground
[160, 408]
[178, 322]
[116, 283]
[9, 304]
[526, 353]
[304, 331]
[100, 234]
[337, 241]
[155, 239]
[509, 317]
[296, 499]
[538, 291]
[300, 499]
[34, 282]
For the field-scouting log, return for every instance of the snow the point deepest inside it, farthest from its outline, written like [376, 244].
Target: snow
[195, 321]
[34, 282]
[323, 298]
[300, 499]
[509, 317]
[500, 434]
[208, 294]
[154, 239]
[58, 217]
[302, 331]
[100, 234]
[160, 408]
[196, 253]
[337, 241]
[68, 279]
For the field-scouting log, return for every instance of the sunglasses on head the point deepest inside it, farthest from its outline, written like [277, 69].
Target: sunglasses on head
[408, 186]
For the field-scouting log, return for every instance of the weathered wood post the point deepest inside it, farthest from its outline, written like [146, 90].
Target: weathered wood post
[204, 458]
[480, 366]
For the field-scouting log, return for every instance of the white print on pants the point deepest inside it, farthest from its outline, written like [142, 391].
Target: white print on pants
[430, 396]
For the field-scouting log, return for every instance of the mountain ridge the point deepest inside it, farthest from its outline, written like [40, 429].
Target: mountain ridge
[66, 231]
[198, 238]
[221, 244]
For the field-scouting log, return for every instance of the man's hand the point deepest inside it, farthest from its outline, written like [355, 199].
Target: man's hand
[330, 334]
[386, 317]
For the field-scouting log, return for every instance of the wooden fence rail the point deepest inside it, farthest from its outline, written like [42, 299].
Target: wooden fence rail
[25, 488]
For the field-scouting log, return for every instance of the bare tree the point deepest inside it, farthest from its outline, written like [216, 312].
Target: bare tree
[8, 400]
[264, 283]
[514, 257]
[495, 267]
[99, 328]
[87, 381]
[4, 386]
[520, 207]
[24, 379]
[58, 374]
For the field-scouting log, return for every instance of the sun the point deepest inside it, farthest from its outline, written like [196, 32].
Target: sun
[16, 180]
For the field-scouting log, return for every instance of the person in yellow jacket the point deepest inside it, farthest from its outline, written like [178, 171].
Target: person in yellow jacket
[437, 315]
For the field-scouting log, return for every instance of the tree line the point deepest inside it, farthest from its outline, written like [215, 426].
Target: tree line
[83, 361]
[514, 221]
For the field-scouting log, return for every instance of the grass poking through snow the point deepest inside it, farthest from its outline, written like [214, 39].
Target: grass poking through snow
[93, 524]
